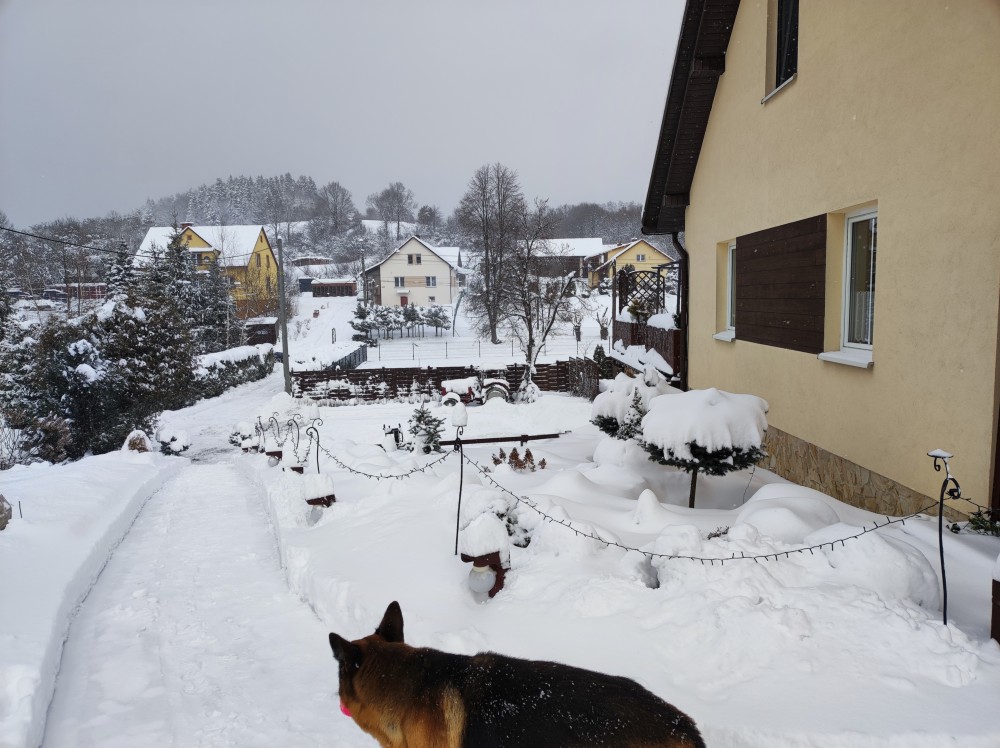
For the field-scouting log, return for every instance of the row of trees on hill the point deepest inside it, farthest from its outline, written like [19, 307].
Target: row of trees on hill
[312, 219]
[73, 385]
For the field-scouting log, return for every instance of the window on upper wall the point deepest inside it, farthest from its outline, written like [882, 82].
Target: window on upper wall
[787, 41]
[640, 257]
[859, 280]
[400, 281]
[432, 281]
[258, 260]
[409, 259]
[418, 259]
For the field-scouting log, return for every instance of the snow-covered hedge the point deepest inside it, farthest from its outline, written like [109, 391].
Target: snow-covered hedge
[218, 372]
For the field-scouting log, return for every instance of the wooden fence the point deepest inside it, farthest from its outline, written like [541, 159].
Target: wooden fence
[668, 343]
[578, 376]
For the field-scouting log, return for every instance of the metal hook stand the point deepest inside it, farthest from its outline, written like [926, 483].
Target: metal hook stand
[259, 431]
[294, 421]
[954, 492]
[313, 433]
[459, 430]
[277, 429]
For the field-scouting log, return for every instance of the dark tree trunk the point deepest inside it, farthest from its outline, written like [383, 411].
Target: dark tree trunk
[694, 487]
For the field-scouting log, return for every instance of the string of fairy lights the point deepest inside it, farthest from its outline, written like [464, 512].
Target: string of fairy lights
[569, 525]
[525, 501]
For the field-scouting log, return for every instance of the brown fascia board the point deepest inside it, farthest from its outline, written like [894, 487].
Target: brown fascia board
[698, 64]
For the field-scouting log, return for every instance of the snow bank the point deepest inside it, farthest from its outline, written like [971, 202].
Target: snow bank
[74, 516]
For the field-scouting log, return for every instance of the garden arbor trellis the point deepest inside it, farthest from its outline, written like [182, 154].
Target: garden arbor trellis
[648, 286]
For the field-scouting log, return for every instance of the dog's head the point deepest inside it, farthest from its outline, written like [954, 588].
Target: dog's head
[351, 654]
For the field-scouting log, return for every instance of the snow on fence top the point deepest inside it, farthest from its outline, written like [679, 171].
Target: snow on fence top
[712, 418]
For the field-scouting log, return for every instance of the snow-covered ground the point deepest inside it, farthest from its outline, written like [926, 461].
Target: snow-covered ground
[310, 337]
[208, 625]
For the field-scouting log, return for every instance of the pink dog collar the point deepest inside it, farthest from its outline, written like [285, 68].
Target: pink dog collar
[344, 709]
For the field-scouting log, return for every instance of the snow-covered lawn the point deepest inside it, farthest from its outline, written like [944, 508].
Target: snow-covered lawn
[310, 339]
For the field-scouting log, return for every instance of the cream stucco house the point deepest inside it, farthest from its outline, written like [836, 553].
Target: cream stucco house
[834, 168]
[416, 273]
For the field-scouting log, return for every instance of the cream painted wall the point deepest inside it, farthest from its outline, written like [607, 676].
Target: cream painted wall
[417, 291]
[895, 103]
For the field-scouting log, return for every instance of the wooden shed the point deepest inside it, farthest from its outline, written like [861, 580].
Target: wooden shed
[262, 330]
[334, 287]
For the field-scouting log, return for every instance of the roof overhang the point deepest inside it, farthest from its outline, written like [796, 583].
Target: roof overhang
[699, 62]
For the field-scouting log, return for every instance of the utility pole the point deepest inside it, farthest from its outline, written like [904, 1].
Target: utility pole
[282, 319]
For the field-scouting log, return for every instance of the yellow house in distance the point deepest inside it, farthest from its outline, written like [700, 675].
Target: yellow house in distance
[639, 253]
[244, 254]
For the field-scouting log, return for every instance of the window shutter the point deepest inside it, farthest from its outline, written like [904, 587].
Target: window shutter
[780, 285]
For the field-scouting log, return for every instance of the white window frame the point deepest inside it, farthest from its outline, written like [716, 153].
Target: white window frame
[640, 257]
[849, 222]
[729, 334]
[399, 281]
[852, 354]
[431, 281]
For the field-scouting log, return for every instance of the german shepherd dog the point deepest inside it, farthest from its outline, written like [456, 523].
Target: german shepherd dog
[412, 697]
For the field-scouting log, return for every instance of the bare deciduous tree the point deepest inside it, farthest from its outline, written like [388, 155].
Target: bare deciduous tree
[393, 205]
[339, 206]
[491, 213]
[534, 301]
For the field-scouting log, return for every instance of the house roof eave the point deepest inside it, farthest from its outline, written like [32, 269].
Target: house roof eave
[699, 62]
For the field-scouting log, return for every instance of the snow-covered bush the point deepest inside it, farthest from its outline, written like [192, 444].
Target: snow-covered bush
[243, 435]
[217, 372]
[173, 441]
[618, 411]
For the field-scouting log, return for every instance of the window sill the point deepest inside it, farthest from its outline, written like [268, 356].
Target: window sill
[782, 87]
[726, 336]
[858, 357]
[402, 290]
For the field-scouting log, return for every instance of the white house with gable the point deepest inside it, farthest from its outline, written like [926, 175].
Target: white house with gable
[417, 273]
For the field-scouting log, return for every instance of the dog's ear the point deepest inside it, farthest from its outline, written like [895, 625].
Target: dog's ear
[346, 653]
[391, 628]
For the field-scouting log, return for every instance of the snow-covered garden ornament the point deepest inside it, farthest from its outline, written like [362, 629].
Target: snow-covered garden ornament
[705, 431]
[485, 543]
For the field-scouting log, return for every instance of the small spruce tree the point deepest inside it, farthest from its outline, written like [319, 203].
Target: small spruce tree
[426, 430]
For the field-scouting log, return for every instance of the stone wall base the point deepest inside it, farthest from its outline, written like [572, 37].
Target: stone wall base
[808, 465]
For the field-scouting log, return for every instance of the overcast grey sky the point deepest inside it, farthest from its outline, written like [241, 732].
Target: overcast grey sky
[104, 103]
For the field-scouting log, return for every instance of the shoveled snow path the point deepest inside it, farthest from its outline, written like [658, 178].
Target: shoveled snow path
[191, 638]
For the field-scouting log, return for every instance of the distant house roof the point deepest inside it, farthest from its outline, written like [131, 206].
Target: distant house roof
[699, 62]
[333, 281]
[451, 255]
[235, 244]
[615, 252]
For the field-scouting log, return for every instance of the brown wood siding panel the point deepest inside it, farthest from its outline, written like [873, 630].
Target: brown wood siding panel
[780, 285]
